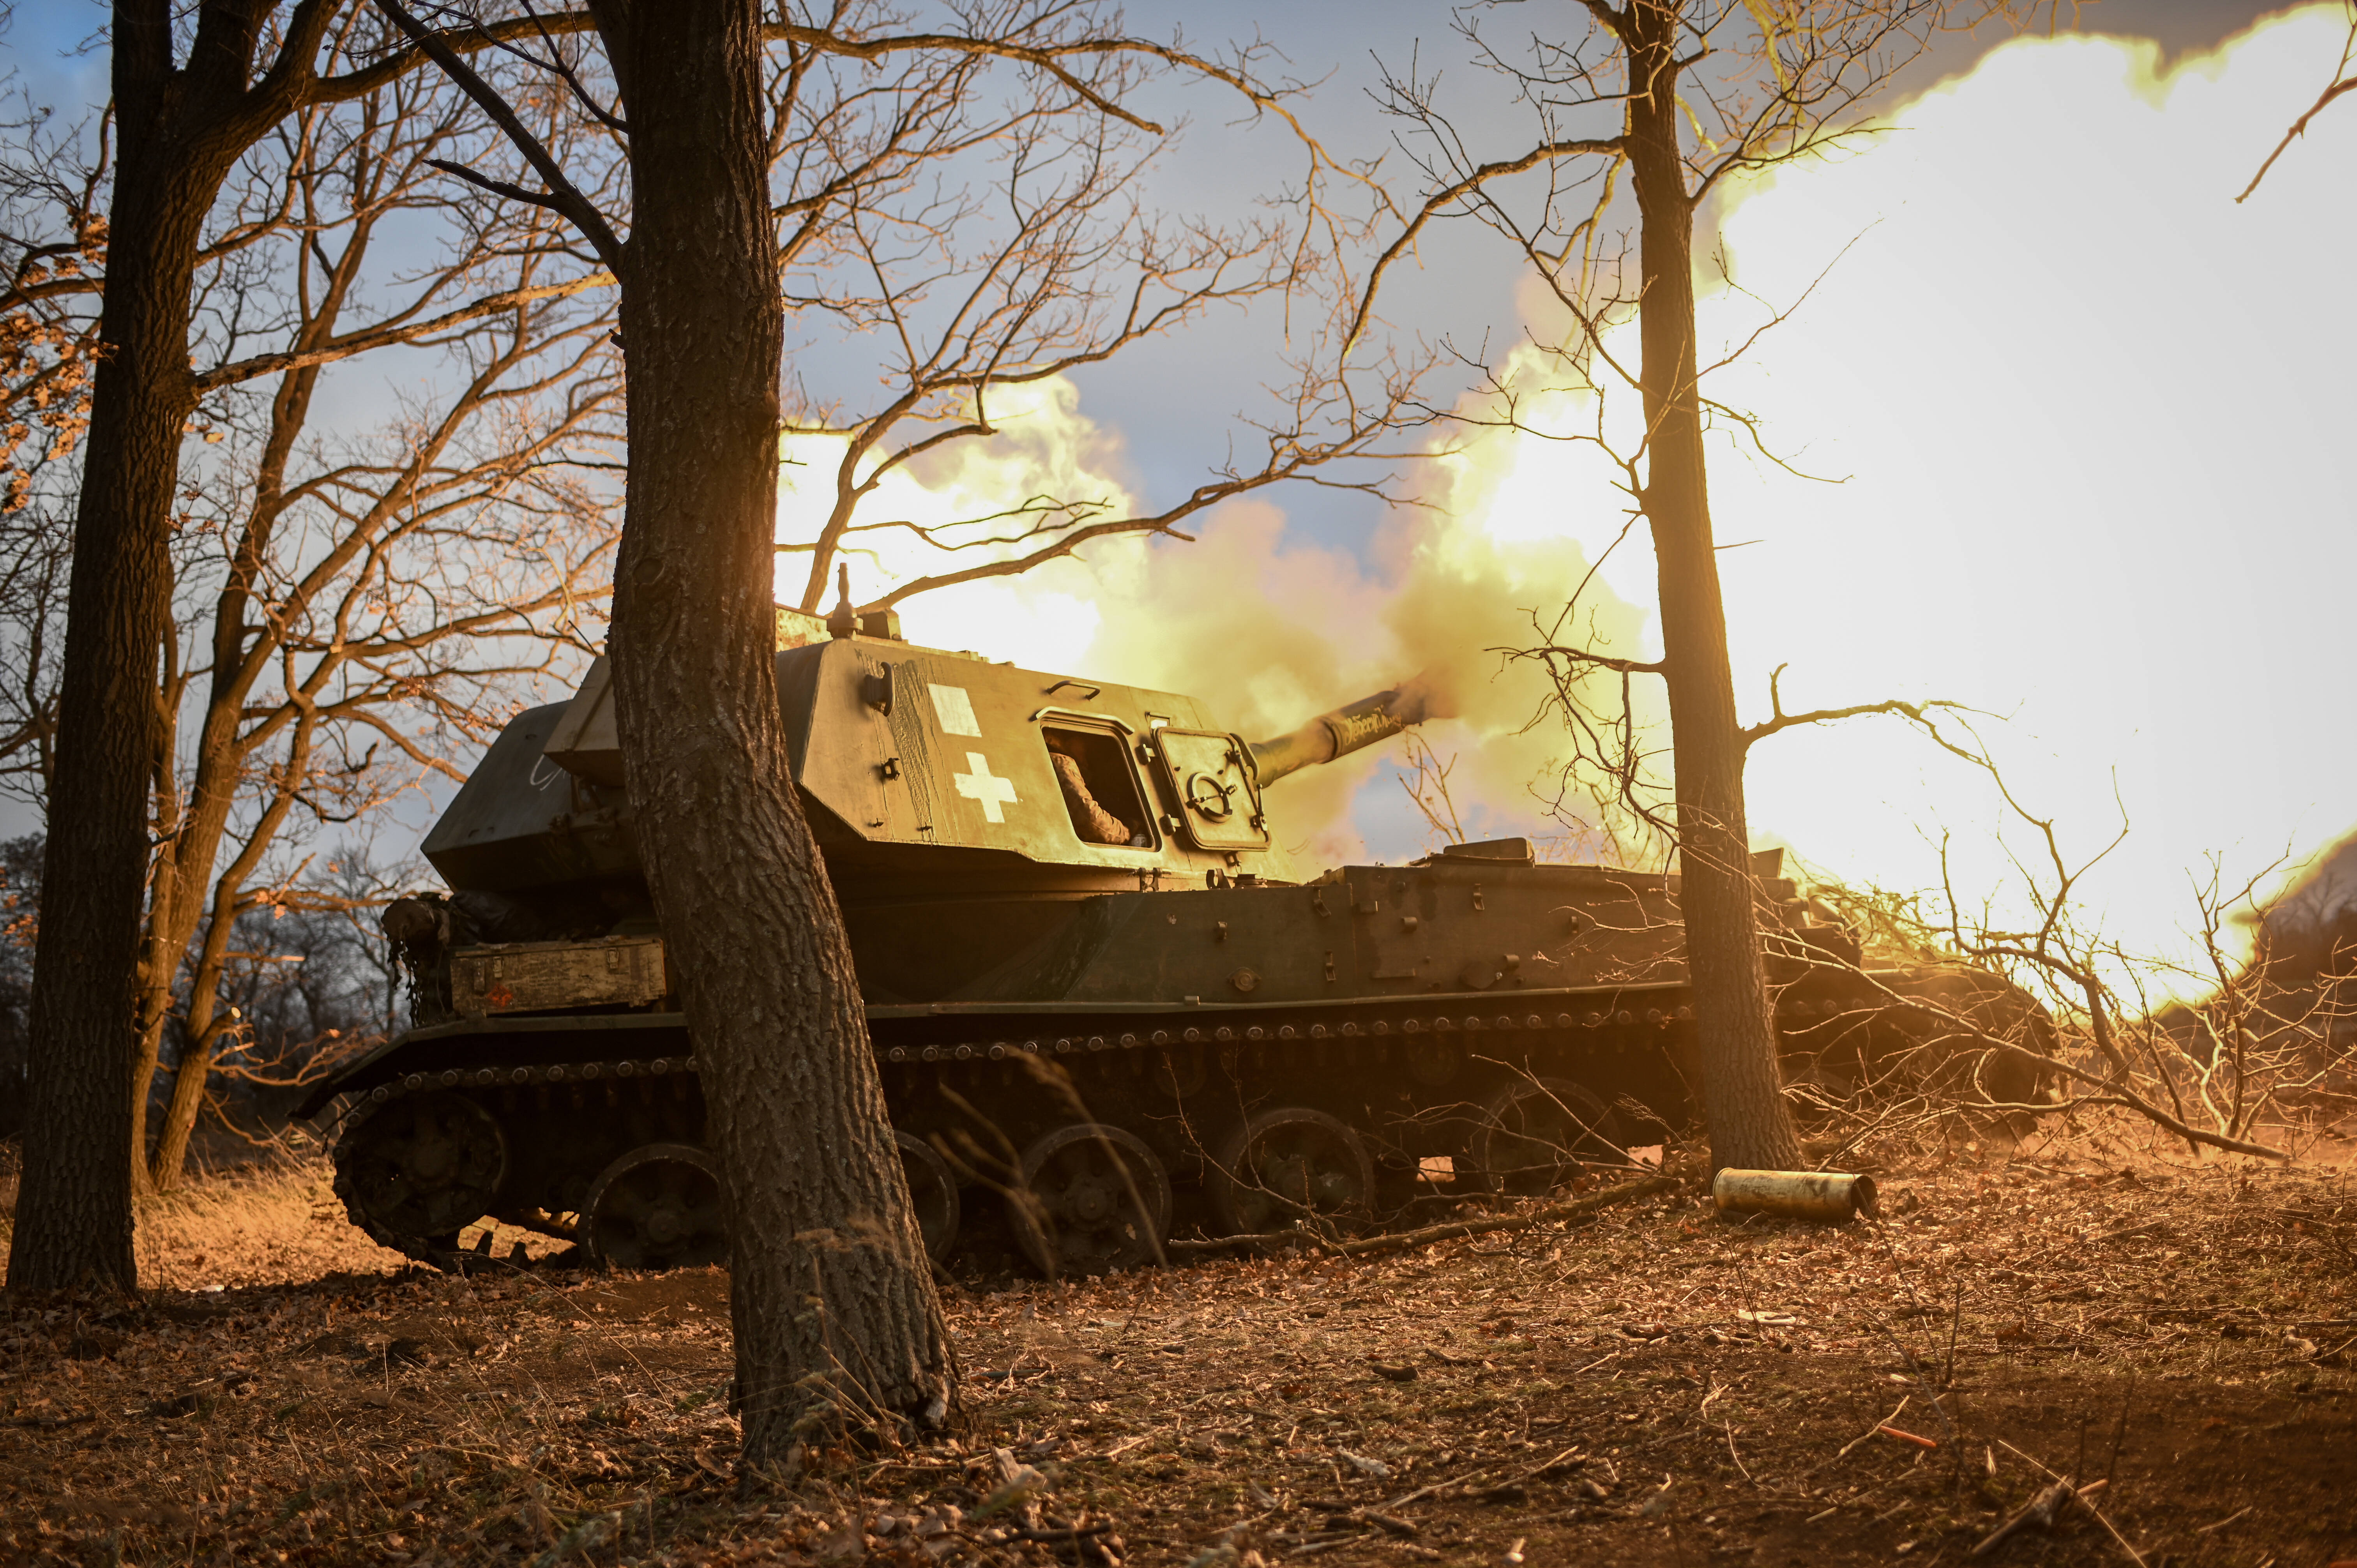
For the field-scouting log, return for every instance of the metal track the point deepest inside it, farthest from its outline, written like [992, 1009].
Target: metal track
[1456, 1021]
[602, 1071]
[365, 1107]
[996, 1045]
[1116, 1031]
[418, 1249]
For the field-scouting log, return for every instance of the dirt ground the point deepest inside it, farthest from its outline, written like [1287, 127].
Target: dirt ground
[1653, 1386]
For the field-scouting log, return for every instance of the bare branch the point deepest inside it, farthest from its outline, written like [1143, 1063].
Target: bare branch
[1780, 721]
[386, 335]
[1457, 192]
[561, 196]
[2343, 81]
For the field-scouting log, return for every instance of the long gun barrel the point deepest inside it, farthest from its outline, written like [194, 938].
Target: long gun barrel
[1352, 727]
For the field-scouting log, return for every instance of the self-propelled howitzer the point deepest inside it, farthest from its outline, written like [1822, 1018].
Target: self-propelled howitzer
[1097, 985]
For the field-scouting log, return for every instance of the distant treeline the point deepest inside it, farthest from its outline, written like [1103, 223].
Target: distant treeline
[307, 985]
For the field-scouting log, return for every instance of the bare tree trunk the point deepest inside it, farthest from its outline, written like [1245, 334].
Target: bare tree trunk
[1742, 1089]
[189, 1078]
[181, 129]
[205, 1025]
[159, 953]
[74, 1213]
[833, 1298]
[184, 872]
[185, 862]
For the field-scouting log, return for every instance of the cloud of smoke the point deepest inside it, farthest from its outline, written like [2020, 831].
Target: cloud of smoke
[1272, 632]
[1046, 448]
[2089, 419]
[1268, 631]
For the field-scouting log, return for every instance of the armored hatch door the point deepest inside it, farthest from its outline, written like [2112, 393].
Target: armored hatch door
[1219, 808]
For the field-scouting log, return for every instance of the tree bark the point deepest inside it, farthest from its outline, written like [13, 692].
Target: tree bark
[832, 1295]
[205, 1025]
[180, 131]
[1742, 1089]
[73, 1227]
[189, 850]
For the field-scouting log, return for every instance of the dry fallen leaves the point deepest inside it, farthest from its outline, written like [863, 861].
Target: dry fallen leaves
[1252, 1407]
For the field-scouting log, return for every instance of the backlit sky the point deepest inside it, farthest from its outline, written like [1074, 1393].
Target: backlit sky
[2093, 419]
[2091, 423]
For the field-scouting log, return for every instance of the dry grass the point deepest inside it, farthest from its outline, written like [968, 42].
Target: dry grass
[1653, 1387]
[260, 1225]
[265, 1226]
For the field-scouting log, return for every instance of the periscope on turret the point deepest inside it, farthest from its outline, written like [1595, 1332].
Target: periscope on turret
[1105, 1001]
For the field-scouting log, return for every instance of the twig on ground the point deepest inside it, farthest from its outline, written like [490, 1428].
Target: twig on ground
[1876, 1427]
[2036, 1514]
[2119, 1433]
[1922, 1383]
[2134, 1555]
[1359, 1514]
[1731, 1454]
[2230, 1519]
[1451, 1232]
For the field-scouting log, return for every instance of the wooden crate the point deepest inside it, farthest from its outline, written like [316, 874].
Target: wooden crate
[533, 977]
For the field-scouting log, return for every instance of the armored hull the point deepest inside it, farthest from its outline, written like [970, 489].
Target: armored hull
[1098, 991]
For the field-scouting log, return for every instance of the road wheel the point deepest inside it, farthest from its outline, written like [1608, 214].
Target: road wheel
[1537, 1133]
[1290, 1168]
[658, 1207]
[932, 1192]
[419, 1169]
[1093, 1199]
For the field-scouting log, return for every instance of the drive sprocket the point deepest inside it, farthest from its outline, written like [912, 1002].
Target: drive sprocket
[414, 1172]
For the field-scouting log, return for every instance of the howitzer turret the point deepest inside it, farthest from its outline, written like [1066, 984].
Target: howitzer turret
[1095, 979]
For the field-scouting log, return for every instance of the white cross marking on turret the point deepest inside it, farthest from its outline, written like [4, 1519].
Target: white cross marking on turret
[980, 786]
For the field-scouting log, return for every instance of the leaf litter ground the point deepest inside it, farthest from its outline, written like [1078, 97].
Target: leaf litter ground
[1650, 1386]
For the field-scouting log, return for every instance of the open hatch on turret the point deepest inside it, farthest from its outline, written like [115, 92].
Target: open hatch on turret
[1099, 785]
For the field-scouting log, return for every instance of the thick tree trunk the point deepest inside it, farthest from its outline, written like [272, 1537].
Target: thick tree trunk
[832, 1295]
[73, 1226]
[1742, 1089]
